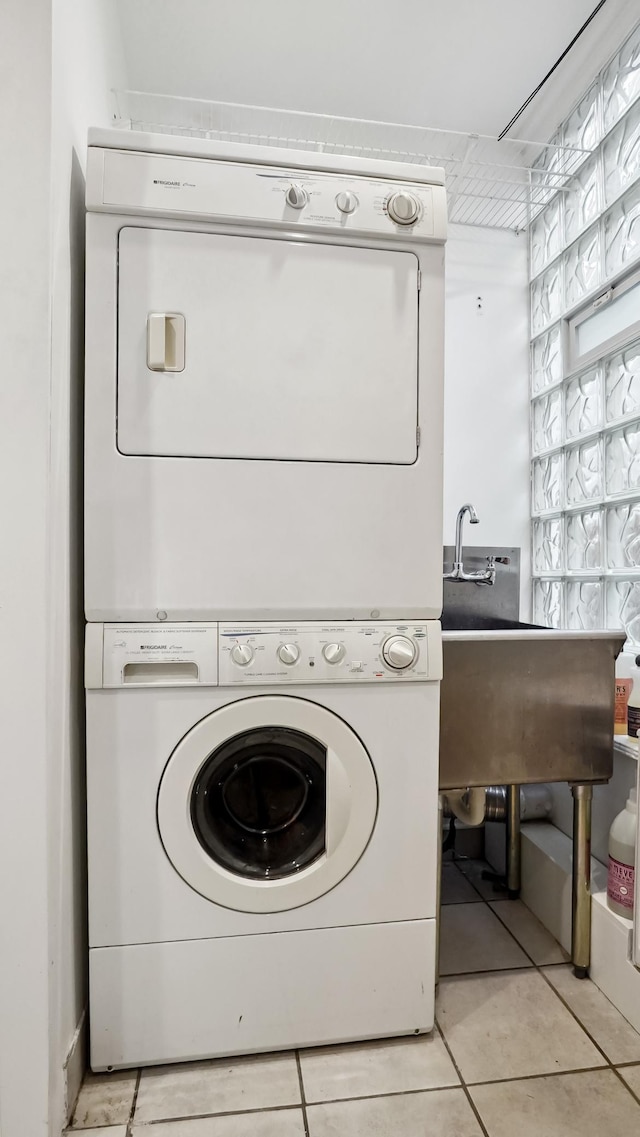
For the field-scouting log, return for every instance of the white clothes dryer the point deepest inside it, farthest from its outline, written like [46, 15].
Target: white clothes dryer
[262, 861]
[264, 371]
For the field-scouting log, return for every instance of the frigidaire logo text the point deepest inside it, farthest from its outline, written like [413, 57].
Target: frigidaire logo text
[162, 182]
[152, 647]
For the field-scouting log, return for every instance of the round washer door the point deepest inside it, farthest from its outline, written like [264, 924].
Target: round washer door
[267, 804]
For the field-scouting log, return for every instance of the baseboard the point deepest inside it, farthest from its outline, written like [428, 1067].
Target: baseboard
[546, 890]
[76, 1064]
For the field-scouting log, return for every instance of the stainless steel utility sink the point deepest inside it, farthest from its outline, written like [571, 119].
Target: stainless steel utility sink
[524, 704]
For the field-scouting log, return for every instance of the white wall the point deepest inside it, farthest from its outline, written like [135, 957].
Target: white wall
[486, 440]
[87, 62]
[24, 430]
[57, 60]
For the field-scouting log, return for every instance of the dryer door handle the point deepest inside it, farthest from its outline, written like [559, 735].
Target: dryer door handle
[338, 802]
[165, 341]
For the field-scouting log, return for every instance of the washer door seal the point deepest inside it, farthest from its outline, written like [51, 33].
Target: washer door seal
[267, 803]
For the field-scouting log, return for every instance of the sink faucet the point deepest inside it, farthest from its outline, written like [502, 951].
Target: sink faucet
[488, 575]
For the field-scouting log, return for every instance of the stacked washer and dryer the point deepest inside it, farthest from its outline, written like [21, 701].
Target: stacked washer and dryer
[263, 565]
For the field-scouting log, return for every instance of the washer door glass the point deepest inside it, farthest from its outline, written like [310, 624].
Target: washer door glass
[258, 804]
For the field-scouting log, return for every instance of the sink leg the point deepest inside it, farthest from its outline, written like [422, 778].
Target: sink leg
[581, 890]
[513, 842]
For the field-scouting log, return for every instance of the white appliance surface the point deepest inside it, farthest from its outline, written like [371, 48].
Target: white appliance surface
[379, 979]
[185, 912]
[264, 387]
[266, 378]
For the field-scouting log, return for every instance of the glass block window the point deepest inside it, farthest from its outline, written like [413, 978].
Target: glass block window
[584, 259]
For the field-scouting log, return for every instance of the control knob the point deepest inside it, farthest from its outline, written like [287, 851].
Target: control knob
[289, 654]
[297, 197]
[403, 208]
[242, 654]
[399, 652]
[333, 653]
[347, 201]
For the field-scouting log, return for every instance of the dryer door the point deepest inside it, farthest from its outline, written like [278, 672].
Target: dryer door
[246, 347]
[267, 804]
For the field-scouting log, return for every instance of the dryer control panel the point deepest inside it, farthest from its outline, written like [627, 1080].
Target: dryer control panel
[258, 195]
[167, 654]
[328, 652]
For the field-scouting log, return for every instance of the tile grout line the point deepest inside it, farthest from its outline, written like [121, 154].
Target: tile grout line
[634, 1095]
[216, 1114]
[305, 1119]
[538, 968]
[520, 945]
[463, 1084]
[134, 1102]
[540, 972]
[500, 893]
[375, 1096]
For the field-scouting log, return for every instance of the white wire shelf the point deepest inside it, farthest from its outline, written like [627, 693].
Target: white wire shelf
[503, 185]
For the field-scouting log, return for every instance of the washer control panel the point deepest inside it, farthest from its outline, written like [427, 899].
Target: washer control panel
[167, 654]
[328, 653]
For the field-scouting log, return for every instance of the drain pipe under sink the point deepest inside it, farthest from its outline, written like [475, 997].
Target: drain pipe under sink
[474, 805]
[509, 804]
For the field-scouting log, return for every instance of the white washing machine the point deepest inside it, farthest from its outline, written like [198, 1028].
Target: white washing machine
[262, 830]
[264, 371]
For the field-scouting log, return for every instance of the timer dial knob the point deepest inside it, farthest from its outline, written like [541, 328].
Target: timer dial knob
[399, 652]
[289, 654]
[347, 201]
[403, 208]
[297, 197]
[333, 653]
[242, 654]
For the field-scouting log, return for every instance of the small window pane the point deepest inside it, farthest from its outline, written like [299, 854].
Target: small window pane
[550, 158]
[621, 155]
[546, 297]
[582, 129]
[547, 603]
[547, 421]
[583, 403]
[623, 536]
[545, 236]
[623, 607]
[622, 233]
[584, 541]
[621, 80]
[623, 459]
[546, 360]
[547, 483]
[547, 545]
[584, 604]
[584, 472]
[622, 383]
[582, 200]
[582, 267]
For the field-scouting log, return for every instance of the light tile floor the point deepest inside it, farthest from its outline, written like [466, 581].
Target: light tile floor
[521, 1047]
